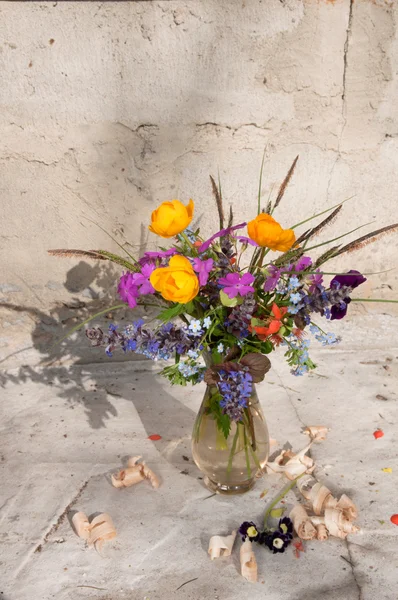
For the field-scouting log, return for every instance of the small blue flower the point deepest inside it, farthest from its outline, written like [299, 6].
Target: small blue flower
[220, 348]
[207, 322]
[193, 354]
[293, 310]
[295, 298]
[300, 370]
[293, 283]
[314, 329]
[195, 326]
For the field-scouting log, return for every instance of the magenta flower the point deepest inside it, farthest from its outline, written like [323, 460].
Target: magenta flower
[151, 257]
[221, 233]
[315, 280]
[303, 263]
[245, 240]
[272, 281]
[203, 268]
[133, 285]
[235, 284]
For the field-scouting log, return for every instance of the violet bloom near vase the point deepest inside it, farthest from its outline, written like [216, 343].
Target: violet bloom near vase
[230, 464]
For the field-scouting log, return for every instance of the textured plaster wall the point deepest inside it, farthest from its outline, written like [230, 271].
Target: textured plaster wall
[109, 108]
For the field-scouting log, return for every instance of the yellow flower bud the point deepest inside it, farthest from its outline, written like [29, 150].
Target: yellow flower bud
[171, 218]
[269, 234]
[177, 282]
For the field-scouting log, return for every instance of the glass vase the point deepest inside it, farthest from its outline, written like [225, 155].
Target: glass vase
[230, 464]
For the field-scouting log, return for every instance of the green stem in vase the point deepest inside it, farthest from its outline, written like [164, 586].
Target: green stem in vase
[249, 471]
[250, 425]
[231, 454]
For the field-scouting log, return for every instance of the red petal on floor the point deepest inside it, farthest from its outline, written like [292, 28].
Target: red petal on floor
[394, 519]
[155, 437]
[298, 547]
[378, 433]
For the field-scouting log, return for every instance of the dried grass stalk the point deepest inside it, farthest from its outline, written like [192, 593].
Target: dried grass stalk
[302, 523]
[331, 253]
[285, 182]
[218, 199]
[367, 239]
[313, 232]
[65, 253]
[231, 216]
[221, 545]
[248, 563]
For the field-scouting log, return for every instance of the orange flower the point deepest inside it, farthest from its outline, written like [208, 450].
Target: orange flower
[274, 325]
[268, 233]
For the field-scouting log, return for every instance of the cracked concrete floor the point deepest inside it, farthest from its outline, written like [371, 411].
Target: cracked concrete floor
[65, 429]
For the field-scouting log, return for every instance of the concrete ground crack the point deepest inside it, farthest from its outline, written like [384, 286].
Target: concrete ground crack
[352, 565]
[346, 46]
[62, 516]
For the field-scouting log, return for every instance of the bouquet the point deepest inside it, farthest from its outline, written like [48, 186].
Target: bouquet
[223, 306]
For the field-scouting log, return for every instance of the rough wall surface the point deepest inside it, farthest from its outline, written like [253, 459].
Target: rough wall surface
[109, 108]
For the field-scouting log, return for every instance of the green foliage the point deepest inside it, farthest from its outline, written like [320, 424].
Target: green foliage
[175, 311]
[223, 422]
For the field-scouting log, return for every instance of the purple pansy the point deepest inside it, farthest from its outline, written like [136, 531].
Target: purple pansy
[132, 285]
[220, 233]
[338, 311]
[151, 257]
[203, 268]
[351, 279]
[235, 284]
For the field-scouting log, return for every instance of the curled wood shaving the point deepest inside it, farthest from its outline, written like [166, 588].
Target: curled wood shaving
[336, 523]
[81, 525]
[248, 563]
[102, 530]
[316, 432]
[321, 498]
[95, 533]
[134, 473]
[221, 546]
[322, 533]
[302, 523]
[290, 464]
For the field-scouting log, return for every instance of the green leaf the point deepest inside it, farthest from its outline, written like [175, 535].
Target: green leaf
[276, 513]
[173, 311]
[227, 301]
[223, 422]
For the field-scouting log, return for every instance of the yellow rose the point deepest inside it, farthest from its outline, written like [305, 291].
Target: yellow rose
[171, 218]
[269, 234]
[177, 282]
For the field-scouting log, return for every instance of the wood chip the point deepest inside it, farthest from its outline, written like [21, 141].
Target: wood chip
[134, 473]
[316, 432]
[221, 546]
[248, 563]
[302, 523]
[100, 530]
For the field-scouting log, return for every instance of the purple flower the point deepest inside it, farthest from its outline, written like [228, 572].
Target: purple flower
[235, 284]
[132, 285]
[203, 268]
[303, 263]
[151, 257]
[221, 233]
[245, 240]
[127, 290]
[351, 279]
[272, 281]
[339, 311]
[315, 280]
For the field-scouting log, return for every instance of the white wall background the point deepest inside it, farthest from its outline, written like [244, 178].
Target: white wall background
[109, 108]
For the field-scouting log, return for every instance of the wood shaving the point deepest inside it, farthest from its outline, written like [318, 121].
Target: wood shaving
[290, 464]
[336, 523]
[221, 546]
[321, 498]
[302, 523]
[100, 530]
[134, 473]
[248, 563]
[316, 432]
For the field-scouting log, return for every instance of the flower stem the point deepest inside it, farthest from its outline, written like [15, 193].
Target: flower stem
[283, 493]
[231, 454]
[249, 471]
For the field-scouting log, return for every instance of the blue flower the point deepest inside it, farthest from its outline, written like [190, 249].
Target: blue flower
[195, 326]
[207, 322]
[220, 348]
[295, 298]
[293, 283]
[300, 370]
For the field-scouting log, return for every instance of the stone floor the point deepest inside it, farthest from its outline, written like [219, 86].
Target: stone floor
[65, 428]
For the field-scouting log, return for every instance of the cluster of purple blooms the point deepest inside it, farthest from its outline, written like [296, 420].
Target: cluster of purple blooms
[236, 388]
[277, 540]
[159, 344]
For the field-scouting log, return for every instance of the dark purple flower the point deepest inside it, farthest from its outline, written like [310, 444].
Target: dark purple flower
[235, 284]
[277, 541]
[339, 311]
[248, 529]
[351, 279]
[203, 268]
[285, 526]
[151, 257]
[303, 263]
[220, 233]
